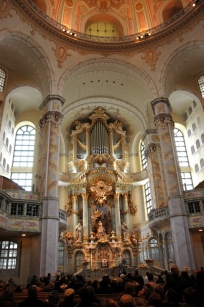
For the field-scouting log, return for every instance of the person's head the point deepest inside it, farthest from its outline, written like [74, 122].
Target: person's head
[85, 294]
[174, 270]
[171, 295]
[155, 300]
[69, 294]
[184, 274]
[53, 297]
[190, 296]
[126, 300]
[108, 303]
[32, 291]
[150, 277]
[7, 295]
[130, 288]
[144, 292]
[159, 290]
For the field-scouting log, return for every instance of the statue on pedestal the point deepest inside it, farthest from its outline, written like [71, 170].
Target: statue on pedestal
[79, 232]
[124, 231]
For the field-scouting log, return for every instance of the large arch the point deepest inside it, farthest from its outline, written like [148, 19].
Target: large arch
[26, 59]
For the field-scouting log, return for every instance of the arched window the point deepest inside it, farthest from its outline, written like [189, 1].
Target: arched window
[197, 144]
[126, 256]
[8, 255]
[24, 147]
[2, 80]
[190, 110]
[148, 197]
[180, 148]
[196, 168]
[189, 132]
[170, 250]
[194, 104]
[7, 141]
[23, 156]
[60, 254]
[202, 138]
[143, 158]
[4, 162]
[198, 120]
[194, 126]
[79, 260]
[192, 149]
[201, 85]
[154, 250]
[202, 163]
[187, 181]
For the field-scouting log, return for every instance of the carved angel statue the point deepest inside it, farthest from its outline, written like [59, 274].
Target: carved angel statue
[124, 231]
[134, 238]
[79, 232]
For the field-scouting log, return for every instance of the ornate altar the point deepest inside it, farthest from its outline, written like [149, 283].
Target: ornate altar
[100, 191]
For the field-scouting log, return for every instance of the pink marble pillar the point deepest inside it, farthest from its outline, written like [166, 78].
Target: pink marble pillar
[177, 212]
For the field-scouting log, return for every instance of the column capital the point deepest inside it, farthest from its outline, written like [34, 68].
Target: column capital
[151, 148]
[161, 104]
[163, 119]
[51, 116]
[52, 98]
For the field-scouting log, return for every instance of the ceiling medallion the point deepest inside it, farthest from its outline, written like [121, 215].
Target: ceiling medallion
[69, 3]
[103, 5]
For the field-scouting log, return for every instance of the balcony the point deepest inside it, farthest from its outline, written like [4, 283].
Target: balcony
[157, 216]
[62, 220]
[20, 211]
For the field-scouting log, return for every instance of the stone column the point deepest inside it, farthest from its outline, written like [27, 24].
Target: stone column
[85, 217]
[177, 211]
[111, 141]
[74, 214]
[155, 169]
[87, 142]
[117, 216]
[48, 171]
[125, 208]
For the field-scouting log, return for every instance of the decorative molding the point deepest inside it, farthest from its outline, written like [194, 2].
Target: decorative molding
[162, 120]
[52, 98]
[5, 8]
[51, 116]
[164, 34]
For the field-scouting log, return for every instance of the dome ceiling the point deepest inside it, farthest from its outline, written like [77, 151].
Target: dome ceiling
[126, 16]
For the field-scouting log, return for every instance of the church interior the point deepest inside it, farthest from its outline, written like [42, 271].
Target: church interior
[102, 136]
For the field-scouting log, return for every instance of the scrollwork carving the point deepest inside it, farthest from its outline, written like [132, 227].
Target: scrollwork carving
[51, 116]
[163, 120]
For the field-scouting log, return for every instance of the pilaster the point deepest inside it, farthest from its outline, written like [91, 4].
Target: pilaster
[178, 216]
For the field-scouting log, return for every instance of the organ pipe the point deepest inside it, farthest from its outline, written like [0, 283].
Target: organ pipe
[99, 139]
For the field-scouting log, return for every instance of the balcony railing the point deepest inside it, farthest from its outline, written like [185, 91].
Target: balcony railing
[158, 213]
[104, 39]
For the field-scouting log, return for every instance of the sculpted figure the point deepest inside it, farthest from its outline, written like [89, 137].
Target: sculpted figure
[79, 232]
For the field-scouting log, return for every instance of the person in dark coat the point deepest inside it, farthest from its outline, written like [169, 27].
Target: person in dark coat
[32, 300]
[68, 298]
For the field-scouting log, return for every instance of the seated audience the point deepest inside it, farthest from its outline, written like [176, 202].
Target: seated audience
[7, 299]
[155, 300]
[190, 298]
[108, 303]
[143, 296]
[171, 298]
[86, 298]
[68, 298]
[127, 300]
[53, 299]
[31, 300]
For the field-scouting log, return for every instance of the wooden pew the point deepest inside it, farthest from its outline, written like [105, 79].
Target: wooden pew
[19, 297]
